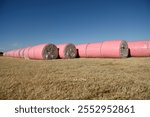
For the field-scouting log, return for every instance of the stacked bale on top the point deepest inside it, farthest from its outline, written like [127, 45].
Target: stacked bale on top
[43, 52]
[106, 49]
[139, 48]
[67, 51]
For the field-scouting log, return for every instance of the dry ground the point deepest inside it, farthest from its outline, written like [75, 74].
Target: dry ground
[75, 79]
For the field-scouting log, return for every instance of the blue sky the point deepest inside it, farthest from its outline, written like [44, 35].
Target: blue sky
[29, 22]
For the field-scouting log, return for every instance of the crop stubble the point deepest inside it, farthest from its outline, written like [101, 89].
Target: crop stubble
[95, 78]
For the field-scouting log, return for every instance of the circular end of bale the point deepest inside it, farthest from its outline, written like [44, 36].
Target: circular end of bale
[50, 51]
[124, 49]
[70, 51]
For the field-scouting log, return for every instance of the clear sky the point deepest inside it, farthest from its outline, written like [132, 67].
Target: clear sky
[28, 22]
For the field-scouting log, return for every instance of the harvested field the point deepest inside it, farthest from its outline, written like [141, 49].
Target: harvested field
[75, 78]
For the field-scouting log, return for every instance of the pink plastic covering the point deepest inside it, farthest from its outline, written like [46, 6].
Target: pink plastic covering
[18, 53]
[67, 51]
[35, 52]
[22, 52]
[26, 52]
[43, 51]
[94, 50]
[112, 49]
[11, 53]
[139, 48]
[108, 49]
[14, 53]
[81, 48]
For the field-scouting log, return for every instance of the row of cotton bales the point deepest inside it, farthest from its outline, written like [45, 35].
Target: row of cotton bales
[106, 49]
[114, 49]
[44, 52]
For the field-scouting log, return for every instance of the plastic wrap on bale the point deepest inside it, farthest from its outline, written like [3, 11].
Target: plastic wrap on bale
[22, 52]
[18, 53]
[81, 50]
[26, 52]
[94, 50]
[114, 49]
[67, 51]
[43, 52]
[8, 54]
[139, 48]
[14, 53]
[11, 53]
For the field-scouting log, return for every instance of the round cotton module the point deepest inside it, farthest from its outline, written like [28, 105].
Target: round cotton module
[114, 49]
[8, 53]
[11, 53]
[26, 52]
[22, 52]
[14, 53]
[94, 50]
[81, 50]
[67, 51]
[18, 53]
[139, 48]
[43, 52]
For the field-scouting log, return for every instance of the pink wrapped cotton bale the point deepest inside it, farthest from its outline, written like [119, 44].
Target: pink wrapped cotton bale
[11, 53]
[67, 51]
[94, 50]
[81, 49]
[114, 49]
[139, 48]
[43, 52]
[26, 52]
[22, 52]
[16, 53]
[8, 53]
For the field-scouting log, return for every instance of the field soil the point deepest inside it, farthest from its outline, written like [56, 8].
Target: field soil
[92, 78]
